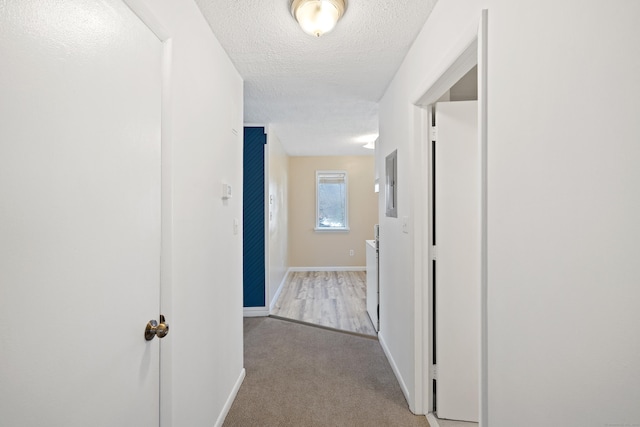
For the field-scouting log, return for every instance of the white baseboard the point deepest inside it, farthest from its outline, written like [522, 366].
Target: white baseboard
[230, 399]
[395, 369]
[348, 268]
[432, 420]
[279, 290]
[255, 311]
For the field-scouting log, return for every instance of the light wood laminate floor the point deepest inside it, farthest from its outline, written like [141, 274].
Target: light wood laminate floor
[335, 299]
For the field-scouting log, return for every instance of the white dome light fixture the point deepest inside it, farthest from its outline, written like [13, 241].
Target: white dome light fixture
[317, 17]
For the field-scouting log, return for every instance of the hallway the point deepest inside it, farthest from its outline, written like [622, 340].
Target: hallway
[299, 375]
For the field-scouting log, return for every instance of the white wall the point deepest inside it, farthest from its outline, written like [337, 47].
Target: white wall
[206, 106]
[563, 204]
[400, 294]
[564, 207]
[278, 170]
[466, 89]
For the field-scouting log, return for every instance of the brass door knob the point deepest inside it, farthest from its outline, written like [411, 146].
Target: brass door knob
[153, 328]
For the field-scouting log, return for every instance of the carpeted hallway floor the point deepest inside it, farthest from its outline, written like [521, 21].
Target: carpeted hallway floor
[302, 376]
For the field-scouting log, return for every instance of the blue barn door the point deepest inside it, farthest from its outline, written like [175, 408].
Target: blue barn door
[253, 212]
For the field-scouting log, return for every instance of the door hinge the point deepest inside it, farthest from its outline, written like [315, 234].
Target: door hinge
[434, 372]
[434, 133]
[434, 252]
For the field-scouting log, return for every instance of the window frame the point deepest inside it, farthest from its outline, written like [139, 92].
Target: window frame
[319, 174]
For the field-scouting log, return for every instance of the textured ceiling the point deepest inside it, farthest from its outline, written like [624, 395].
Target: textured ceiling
[319, 94]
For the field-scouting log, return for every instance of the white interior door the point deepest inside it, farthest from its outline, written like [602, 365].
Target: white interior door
[373, 297]
[458, 260]
[80, 98]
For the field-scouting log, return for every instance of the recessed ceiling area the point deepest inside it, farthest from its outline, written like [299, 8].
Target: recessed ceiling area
[320, 94]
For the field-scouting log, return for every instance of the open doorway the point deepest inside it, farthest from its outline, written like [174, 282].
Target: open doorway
[454, 337]
[324, 281]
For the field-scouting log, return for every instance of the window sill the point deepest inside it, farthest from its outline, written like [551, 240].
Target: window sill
[332, 230]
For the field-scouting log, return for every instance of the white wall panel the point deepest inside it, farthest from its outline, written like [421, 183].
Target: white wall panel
[562, 209]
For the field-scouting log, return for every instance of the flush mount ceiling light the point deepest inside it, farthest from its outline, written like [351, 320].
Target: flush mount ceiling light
[317, 17]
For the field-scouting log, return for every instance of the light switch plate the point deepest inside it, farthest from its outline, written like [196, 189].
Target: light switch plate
[226, 191]
[405, 224]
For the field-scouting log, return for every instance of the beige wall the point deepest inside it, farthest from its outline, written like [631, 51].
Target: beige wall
[278, 172]
[308, 248]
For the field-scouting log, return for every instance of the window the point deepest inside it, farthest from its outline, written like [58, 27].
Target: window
[331, 201]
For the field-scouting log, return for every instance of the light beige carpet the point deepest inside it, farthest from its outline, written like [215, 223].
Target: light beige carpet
[302, 376]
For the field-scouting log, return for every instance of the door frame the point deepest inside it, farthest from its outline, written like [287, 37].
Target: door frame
[148, 18]
[468, 51]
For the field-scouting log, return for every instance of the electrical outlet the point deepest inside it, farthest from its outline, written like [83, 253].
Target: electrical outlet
[351, 252]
